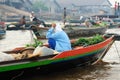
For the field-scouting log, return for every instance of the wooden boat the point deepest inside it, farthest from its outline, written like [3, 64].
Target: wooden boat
[115, 24]
[88, 55]
[27, 26]
[16, 26]
[72, 32]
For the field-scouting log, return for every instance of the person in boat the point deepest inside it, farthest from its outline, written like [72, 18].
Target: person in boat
[88, 22]
[39, 22]
[36, 21]
[32, 16]
[58, 39]
[22, 22]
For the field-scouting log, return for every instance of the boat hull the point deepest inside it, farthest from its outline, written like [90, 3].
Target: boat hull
[53, 67]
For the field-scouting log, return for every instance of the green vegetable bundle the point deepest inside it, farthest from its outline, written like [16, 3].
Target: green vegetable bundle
[35, 44]
[88, 41]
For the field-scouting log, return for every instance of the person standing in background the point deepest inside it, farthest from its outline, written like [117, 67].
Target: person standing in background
[64, 16]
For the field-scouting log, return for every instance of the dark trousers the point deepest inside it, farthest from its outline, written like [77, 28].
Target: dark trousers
[52, 43]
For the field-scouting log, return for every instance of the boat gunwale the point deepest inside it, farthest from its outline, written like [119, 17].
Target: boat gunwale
[27, 59]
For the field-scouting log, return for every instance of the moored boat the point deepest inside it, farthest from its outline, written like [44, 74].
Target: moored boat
[115, 24]
[73, 32]
[87, 55]
[27, 26]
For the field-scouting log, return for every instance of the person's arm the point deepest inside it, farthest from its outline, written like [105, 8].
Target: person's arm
[51, 34]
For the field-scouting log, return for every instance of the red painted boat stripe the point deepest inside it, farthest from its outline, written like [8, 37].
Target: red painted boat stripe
[84, 50]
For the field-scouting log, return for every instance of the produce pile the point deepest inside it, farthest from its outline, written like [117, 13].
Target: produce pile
[88, 41]
[80, 42]
[35, 43]
[102, 24]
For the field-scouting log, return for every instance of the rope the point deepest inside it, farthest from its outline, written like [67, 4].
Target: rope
[103, 53]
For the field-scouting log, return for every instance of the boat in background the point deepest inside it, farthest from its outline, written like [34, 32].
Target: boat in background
[2, 29]
[27, 26]
[73, 32]
[116, 23]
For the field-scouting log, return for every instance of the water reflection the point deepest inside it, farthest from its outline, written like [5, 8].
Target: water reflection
[96, 72]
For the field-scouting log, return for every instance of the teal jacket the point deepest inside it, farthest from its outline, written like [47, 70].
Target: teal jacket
[61, 38]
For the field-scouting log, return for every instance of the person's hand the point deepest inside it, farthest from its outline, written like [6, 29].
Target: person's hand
[53, 25]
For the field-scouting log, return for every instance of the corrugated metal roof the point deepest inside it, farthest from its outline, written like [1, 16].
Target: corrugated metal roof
[66, 3]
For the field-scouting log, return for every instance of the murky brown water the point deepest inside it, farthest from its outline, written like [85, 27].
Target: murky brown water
[107, 70]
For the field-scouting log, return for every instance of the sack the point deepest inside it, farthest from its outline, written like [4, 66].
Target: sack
[43, 51]
[6, 57]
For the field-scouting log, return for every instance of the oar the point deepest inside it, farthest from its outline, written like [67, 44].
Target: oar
[33, 36]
